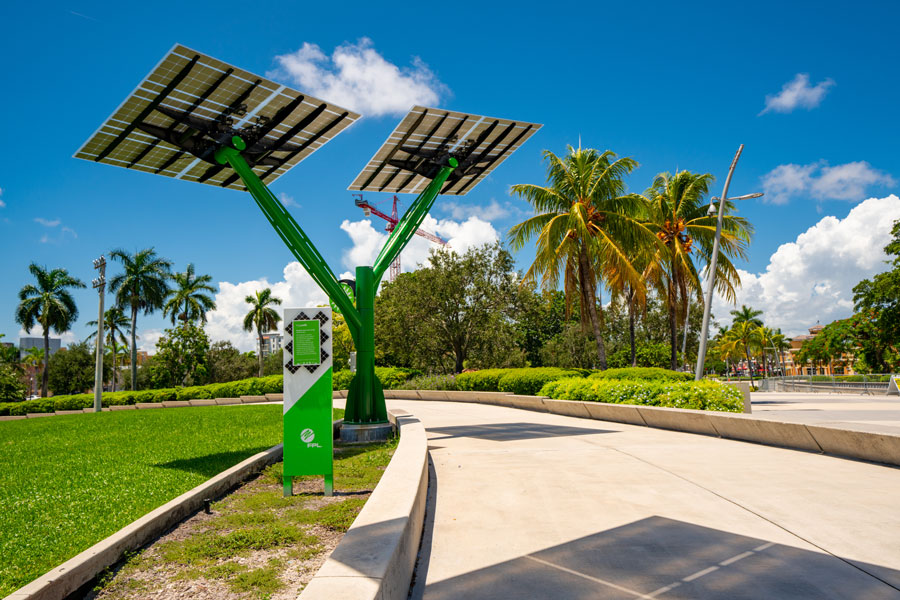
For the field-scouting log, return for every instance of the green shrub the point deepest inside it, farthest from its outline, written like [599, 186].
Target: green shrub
[430, 382]
[529, 382]
[74, 402]
[698, 395]
[644, 373]
[195, 392]
[340, 380]
[485, 380]
[391, 378]
[273, 384]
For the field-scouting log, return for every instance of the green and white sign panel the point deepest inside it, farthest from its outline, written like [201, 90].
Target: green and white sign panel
[307, 395]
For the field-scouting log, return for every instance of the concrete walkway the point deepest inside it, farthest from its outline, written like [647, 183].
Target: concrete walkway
[879, 414]
[531, 505]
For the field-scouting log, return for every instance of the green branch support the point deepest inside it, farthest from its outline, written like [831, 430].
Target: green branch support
[365, 400]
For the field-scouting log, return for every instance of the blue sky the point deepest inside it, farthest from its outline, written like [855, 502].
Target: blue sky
[673, 86]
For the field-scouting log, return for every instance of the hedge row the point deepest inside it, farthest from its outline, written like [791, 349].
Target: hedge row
[391, 377]
[699, 395]
[514, 381]
[643, 373]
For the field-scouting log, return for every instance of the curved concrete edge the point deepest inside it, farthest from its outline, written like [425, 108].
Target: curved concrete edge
[376, 557]
[68, 577]
[875, 447]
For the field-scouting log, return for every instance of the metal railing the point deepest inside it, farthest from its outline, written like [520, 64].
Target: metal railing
[874, 384]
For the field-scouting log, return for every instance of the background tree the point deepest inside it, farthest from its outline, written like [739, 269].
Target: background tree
[12, 388]
[571, 347]
[585, 225]
[115, 324]
[541, 317]
[455, 312]
[227, 363]
[262, 317]
[679, 218]
[342, 342]
[48, 303]
[877, 303]
[747, 315]
[189, 298]
[142, 286]
[744, 338]
[71, 369]
[34, 363]
[181, 357]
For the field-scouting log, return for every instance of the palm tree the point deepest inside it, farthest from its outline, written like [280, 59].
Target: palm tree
[747, 314]
[188, 300]
[261, 317]
[50, 304]
[143, 286]
[585, 225]
[679, 218]
[745, 337]
[33, 360]
[115, 324]
[781, 343]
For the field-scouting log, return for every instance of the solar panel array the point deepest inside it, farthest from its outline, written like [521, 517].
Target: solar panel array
[426, 137]
[191, 103]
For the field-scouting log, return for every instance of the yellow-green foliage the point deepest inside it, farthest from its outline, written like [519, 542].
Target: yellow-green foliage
[699, 395]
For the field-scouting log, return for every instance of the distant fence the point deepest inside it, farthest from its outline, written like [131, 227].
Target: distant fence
[879, 384]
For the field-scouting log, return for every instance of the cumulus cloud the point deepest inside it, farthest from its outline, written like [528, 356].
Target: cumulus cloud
[358, 77]
[367, 241]
[148, 339]
[849, 181]
[811, 279]
[797, 93]
[226, 322]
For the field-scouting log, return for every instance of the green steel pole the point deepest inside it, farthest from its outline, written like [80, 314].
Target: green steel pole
[365, 399]
[290, 232]
[411, 221]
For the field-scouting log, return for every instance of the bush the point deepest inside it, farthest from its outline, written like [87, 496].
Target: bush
[529, 382]
[430, 382]
[642, 373]
[698, 395]
[485, 380]
[391, 378]
[340, 380]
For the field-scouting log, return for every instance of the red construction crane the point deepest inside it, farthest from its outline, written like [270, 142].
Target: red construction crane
[392, 219]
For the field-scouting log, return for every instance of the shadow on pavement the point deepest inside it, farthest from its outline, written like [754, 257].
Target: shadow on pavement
[505, 432]
[668, 559]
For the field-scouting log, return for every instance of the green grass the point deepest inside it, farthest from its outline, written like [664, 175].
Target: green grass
[67, 482]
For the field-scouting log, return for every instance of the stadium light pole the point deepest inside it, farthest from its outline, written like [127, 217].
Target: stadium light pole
[711, 270]
[100, 285]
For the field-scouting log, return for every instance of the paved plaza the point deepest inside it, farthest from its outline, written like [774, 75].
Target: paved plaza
[532, 505]
[876, 413]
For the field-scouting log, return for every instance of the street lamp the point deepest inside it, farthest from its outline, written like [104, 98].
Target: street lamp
[100, 285]
[711, 269]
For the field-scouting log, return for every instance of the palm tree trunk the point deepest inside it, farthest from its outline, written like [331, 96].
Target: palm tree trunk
[259, 333]
[115, 358]
[673, 337]
[631, 329]
[591, 301]
[134, 312]
[46, 362]
[749, 365]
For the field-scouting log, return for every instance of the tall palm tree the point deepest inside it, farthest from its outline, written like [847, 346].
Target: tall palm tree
[585, 225]
[48, 303]
[115, 324]
[681, 222]
[261, 317]
[189, 298]
[745, 338]
[747, 314]
[142, 286]
[781, 343]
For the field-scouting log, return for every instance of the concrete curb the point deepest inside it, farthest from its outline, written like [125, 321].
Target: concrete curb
[65, 579]
[881, 448]
[376, 557]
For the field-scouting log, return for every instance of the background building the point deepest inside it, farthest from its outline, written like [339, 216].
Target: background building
[38, 342]
[271, 343]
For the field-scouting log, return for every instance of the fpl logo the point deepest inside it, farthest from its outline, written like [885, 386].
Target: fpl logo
[308, 435]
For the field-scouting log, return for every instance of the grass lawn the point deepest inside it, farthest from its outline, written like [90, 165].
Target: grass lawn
[67, 482]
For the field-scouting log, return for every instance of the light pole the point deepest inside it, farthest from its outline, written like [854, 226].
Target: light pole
[711, 275]
[100, 285]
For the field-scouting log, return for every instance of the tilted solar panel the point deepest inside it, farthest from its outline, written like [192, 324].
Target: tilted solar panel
[426, 137]
[190, 103]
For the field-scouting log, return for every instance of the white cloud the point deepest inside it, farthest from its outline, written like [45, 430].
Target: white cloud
[797, 93]
[811, 279]
[297, 289]
[358, 77]
[841, 182]
[147, 339]
[367, 241]
[493, 210]
[47, 222]
[2, 203]
[288, 200]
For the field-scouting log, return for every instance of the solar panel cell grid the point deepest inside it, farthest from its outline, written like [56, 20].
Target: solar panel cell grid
[167, 125]
[413, 152]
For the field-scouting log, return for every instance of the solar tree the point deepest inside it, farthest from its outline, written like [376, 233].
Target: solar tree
[198, 119]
